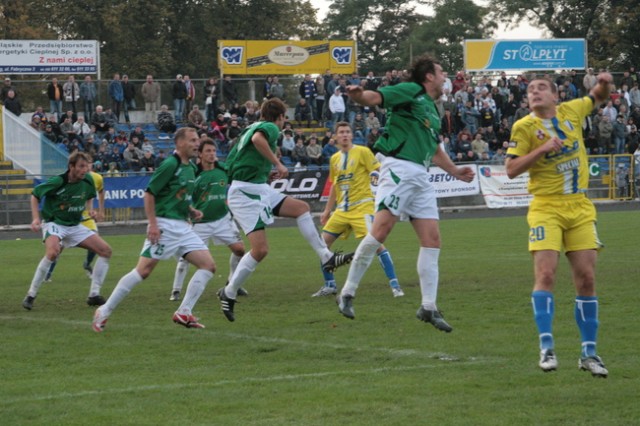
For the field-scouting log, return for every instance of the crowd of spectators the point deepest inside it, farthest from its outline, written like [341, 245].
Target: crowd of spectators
[477, 113]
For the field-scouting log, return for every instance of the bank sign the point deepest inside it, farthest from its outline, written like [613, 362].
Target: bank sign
[504, 55]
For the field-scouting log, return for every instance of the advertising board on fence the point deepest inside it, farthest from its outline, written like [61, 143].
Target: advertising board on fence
[448, 186]
[499, 191]
[49, 57]
[121, 192]
[286, 56]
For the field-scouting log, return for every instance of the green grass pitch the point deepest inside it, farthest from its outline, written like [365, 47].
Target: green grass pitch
[290, 359]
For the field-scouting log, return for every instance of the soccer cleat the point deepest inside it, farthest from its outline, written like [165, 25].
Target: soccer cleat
[397, 291]
[47, 278]
[188, 321]
[345, 305]
[337, 259]
[227, 304]
[242, 292]
[434, 318]
[99, 321]
[175, 296]
[87, 269]
[594, 365]
[96, 300]
[27, 303]
[325, 290]
[548, 361]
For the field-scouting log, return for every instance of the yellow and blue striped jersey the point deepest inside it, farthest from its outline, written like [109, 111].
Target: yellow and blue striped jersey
[349, 173]
[557, 173]
[99, 183]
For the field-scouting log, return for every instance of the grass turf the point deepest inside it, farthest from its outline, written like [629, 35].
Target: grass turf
[290, 359]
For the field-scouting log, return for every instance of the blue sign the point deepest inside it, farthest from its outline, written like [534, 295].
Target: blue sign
[127, 191]
[501, 55]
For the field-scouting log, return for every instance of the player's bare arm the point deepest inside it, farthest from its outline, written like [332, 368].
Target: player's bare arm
[515, 166]
[328, 209]
[262, 145]
[35, 214]
[364, 97]
[153, 232]
[442, 160]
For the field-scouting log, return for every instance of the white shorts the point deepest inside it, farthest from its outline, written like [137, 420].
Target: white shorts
[252, 204]
[176, 240]
[223, 231]
[404, 189]
[70, 236]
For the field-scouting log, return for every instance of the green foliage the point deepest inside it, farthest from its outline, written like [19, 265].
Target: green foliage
[443, 33]
[378, 26]
[290, 359]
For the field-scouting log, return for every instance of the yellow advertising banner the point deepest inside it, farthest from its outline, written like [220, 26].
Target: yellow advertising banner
[286, 57]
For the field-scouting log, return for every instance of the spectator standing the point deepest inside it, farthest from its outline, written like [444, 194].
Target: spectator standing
[191, 94]
[55, 95]
[88, 95]
[71, 92]
[179, 94]
[5, 89]
[229, 91]
[337, 106]
[308, 91]
[116, 94]
[129, 97]
[211, 98]
[320, 98]
[277, 89]
[151, 95]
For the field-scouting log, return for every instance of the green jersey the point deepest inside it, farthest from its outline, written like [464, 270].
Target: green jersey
[210, 194]
[244, 162]
[172, 185]
[413, 124]
[64, 202]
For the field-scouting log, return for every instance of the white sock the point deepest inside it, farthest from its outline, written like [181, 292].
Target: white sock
[428, 274]
[233, 264]
[363, 257]
[98, 275]
[195, 288]
[310, 233]
[38, 277]
[181, 273]
[245, 268]
[123, 288]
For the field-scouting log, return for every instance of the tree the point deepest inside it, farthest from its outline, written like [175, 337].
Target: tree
[607, 25]
[378, 26]
[443, 33]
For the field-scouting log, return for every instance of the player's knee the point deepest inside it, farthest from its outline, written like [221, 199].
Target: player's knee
[259, 253]
[106, 252]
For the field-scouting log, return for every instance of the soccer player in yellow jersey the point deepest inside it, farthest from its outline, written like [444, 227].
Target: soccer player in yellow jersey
[548, 143]
[349, 172]
[94, 299]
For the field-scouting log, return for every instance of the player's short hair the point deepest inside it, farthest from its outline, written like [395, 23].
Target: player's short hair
[76, 156]
[341, 124]
[272, 109]
[420, 67]
[206, 141]
[182, 133]
[554, 86]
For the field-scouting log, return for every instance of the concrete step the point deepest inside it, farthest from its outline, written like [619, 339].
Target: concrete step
[4, 165]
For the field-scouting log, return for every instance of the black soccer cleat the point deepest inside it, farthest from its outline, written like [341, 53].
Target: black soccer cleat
[227, 304]
[338, 259]
[96, 300]
[27, 303]
[434, 318]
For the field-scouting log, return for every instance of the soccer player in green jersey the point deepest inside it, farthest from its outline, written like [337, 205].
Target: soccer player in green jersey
[167, 204]
[254, 203]
[66, 197]
[410, 144]
[548, 143]
[216, 224]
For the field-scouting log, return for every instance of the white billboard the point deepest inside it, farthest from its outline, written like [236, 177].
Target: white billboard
[49, 57]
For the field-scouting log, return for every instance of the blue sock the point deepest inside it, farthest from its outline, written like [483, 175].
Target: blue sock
[543, 309]
[90, 256]
[586, 310]
[387, 265]
[329, 279]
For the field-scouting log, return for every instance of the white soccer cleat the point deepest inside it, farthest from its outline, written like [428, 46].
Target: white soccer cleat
[548, 361]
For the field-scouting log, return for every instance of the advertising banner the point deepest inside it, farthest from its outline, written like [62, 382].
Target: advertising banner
[127, 191]
[49, 57]
[304, 184]
[286, 57]
[504, 55]
[499, 191]
[448, 186]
